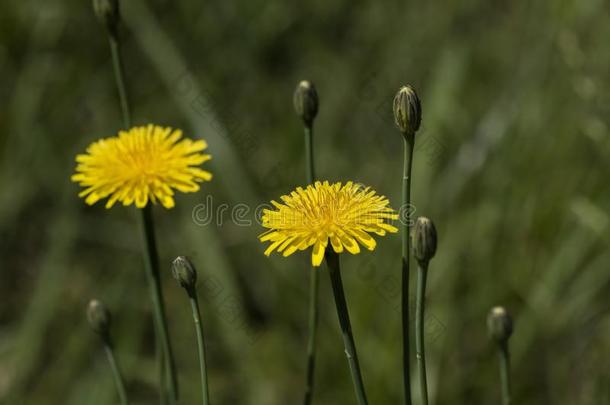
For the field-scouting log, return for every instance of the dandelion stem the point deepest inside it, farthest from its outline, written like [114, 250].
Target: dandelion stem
[119, 74]
[409, 139]
[150, 249]
[504, 372]
[163, 400]
[332, 260]
[200, 345]
[311, 174]
[152, 271]
[420, 353]
[313, 285]
[313, 326]
[116, 372]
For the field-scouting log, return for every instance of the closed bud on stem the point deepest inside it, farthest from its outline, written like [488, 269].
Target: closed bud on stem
[98, 317]
[306, 102]
[184, 272]
[499, 324]
[424, 240]
[107, 12]
[407, 110]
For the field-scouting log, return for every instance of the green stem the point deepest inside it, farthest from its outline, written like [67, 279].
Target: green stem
[313, 326]
[420, 352]
[152, 271]
[119, 74]
[332, 260]
[163, 396]
[116, 373]
[313, 286]
[164, 351]
[311, 174]
[406, 251]
[505, 372]
[200, 345]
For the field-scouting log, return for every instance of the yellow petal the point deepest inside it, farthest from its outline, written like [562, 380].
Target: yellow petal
[349, 243]
[336, 244]
[364, 238]
[317, 254]
[272, 247]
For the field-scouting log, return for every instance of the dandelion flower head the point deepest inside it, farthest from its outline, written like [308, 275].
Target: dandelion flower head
[343, 215]
[146, 163]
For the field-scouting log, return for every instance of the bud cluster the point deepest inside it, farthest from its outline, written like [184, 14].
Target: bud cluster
[499, 324]
[424, 240]
[107, 11]
[98, 317]
[306, 102]
[184, 272]
[407, 110]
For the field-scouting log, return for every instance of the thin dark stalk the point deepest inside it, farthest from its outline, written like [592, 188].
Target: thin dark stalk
[161, 372]
[311, 174]
[313, 286]
[313, 326]
[420, 352]
[334, 270]
[150, 248]
[505, 372]
[151, 259]
[201, 346]
[116, 373]
[406, 251]
[119, 74]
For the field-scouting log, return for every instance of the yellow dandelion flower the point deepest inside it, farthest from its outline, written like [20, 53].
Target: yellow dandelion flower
[343, 214]
[142, 164]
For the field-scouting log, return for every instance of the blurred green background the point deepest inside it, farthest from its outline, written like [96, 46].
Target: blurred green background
[512, 163]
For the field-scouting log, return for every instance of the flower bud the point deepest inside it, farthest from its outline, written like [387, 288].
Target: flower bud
[98, 317]
[499, 324]
[407, 110]
[306, 101]
[184, 272]
[107, 12]
[424, 239]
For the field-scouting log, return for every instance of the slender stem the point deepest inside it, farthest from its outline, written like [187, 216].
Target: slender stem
[119, 74]
[420, 352]
[406, 251]
[200, 345]
[161, 372]
[332, 260]
[505, 372]
[311, 174]
[116, 373]
[151, 258]
[313, 326]
[152, 271]
[313, 286]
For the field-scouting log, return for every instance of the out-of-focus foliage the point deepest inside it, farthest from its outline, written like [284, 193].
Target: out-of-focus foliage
[512, 164]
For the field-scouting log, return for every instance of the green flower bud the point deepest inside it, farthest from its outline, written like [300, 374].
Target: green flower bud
[108, 13]
[424, 239]
[499, 324]
[98, 317]
[407, 110]
[306, 102]
[184, 272]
